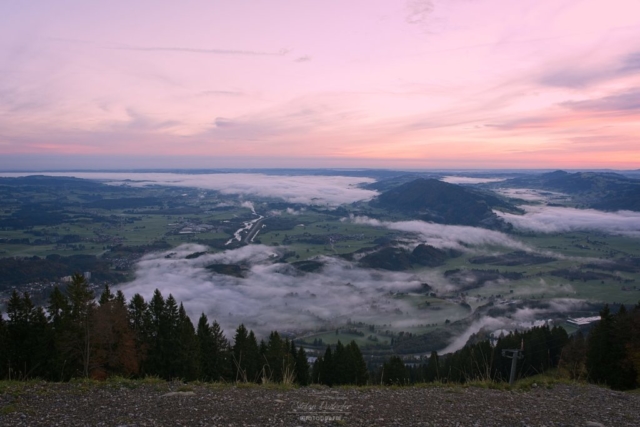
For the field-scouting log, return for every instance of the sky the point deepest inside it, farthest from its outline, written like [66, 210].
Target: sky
[300, 83]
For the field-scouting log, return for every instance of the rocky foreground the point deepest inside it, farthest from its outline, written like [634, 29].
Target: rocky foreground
[129, 403]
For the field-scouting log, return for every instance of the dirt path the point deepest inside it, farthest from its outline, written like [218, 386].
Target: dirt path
[136, 404]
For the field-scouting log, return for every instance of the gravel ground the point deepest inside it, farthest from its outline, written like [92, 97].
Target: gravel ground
[174, 404]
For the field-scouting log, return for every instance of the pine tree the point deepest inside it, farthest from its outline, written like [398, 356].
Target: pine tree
[156, 335]
[59, 318]
[633, 347]
[29, 338]
[186, 363]
[394, 372]
[598, 364]
[4, 348]
[81, 302]
[120, 298]
[316, 371]
[302, 367]
[276, 357]
[252, 358]
[169, 330]
[342, 365]
[106, 296]
[240, 358]
[359, 374]
[624, 376]
[432, 371]
[327, 368]
[140, 322]
[214, 351]
[206, 349]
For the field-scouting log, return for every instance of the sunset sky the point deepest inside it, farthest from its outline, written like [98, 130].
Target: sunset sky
[309, 83]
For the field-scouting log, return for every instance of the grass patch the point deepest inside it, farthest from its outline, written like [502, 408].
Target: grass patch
[121, 382]
[16, 388]
[6, 410]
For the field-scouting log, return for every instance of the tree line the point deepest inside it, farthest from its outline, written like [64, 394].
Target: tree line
[77, 336]
[482, 361]
[609, 355]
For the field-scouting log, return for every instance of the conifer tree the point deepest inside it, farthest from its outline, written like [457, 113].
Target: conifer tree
[4, 348]
[29, 339]
[327, 368]
[156, 335]
[302, 367]
[598, 363]
[106, 296]
[240, 350]
[624, 374]
[214, 351]
[359, 374]
[187, 360]
[206, 349]
[253, 358]
[276, 356]
[59, 317]
[80, 315]
[394, 372]
[140, 322]
[342, 365]
[432, 371]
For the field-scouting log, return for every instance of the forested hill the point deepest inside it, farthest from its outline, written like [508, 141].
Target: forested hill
[441, 202]
[598, 190]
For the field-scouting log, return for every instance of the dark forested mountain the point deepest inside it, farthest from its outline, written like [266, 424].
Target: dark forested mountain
[389, 183]
[437, 201]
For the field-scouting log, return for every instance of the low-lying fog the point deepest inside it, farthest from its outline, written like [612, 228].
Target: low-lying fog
[553, 219]
[276, 296]
[272, 295]
[307, 189]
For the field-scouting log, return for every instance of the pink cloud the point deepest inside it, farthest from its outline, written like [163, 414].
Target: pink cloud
[384, 84]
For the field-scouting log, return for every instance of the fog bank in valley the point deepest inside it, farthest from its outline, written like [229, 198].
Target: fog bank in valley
[553, 219]
[444, 236]
[273, 296]
[306, 189]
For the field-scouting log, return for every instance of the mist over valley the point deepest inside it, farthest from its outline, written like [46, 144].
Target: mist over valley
[399, 261]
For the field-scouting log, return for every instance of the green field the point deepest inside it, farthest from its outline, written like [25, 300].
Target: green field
[94, 221]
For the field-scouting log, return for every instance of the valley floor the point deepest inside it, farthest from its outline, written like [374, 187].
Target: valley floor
[175, 404]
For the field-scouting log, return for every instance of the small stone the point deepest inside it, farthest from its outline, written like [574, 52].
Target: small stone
[593, 424]
[179, 393]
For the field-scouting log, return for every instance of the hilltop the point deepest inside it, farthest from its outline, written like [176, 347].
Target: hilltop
[436, 201]
[155, 403]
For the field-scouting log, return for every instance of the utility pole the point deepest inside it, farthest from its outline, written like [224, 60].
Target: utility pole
[514, 355]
